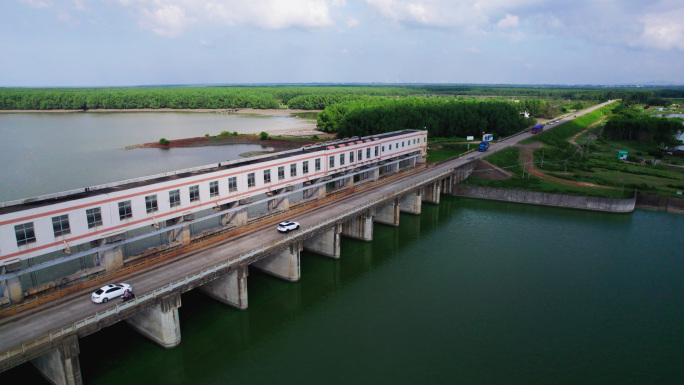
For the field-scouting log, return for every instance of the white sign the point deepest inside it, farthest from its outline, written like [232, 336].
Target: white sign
[487, 137]
[470, 138]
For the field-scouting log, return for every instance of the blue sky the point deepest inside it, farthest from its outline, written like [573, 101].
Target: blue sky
[76, 43]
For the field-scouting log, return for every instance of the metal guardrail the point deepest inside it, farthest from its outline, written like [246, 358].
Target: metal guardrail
[51, 336]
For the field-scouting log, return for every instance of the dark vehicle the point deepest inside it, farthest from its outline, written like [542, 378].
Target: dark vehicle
[484, 145]
[127, 296]
[537, 129]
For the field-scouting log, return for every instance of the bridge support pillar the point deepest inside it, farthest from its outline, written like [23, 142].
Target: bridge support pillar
[111, 258]
[181, 234]
[230, 288]
[283, 264]
[237, 218]
[60, 365]
[10, 289]
[360, 227]
[160, 322]
[316, 192]
[411, 203]
[279, 203]
[388, 214]
[447, 184]
[431, 193]
[347, 182]
[325, 243]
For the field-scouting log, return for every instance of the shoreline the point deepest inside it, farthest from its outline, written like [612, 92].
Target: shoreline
[243, 111]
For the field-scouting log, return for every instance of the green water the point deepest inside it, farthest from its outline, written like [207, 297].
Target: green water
[469, 292]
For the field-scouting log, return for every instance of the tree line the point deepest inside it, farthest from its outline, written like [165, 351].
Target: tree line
[310, 97]
[441, 117]
[627, 124]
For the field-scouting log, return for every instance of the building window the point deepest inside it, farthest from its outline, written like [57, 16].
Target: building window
[281, 172]
[60, 225]
[376, 150]
[390, 147]
[318, 164]
[174, 198]
[424, 139]
[332, 161]
[151, 203]
[232, 184]
[305, 167]
[402, 144]
[194, 193]
[341, 159]
[368, 153]
[359, 155]
[351, 157]
[25, 233]
[125, 210]
[251, 180]
[213, 188]
[293, 169]
[94, 217]
[414, 141]
[267, 176]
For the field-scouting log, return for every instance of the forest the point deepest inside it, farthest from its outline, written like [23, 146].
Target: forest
[307, 97]
[628, 124]
[442, 117]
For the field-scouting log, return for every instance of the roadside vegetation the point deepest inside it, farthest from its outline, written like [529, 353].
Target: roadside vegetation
[588, 164]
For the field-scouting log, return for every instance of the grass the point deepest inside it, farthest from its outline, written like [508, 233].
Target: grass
[447, 151]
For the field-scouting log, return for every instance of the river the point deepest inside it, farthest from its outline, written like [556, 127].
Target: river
[468, 292]
[45, 153]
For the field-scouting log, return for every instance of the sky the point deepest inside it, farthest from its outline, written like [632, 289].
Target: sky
[97, 43]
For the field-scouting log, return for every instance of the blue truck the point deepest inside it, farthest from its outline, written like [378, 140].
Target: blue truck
[537, 129]
[484, 145]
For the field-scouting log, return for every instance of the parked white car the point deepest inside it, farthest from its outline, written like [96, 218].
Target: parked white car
[285, 227]
[111, 291]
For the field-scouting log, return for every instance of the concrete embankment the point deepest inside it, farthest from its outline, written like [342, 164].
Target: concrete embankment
[660, 203]
[547, 199]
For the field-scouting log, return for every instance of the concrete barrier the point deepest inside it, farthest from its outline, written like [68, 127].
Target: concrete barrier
[660, 203]
[547, 199]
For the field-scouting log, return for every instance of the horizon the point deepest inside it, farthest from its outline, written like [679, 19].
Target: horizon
[129, 43]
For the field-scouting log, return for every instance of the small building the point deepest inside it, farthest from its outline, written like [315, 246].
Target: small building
[622, 155]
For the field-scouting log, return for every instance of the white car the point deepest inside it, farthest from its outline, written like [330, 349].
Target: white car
[285, 227]
[107, 292]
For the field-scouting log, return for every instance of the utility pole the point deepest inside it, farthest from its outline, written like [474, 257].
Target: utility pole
[542, 163]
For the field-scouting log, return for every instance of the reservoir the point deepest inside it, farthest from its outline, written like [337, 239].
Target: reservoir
[468, 292]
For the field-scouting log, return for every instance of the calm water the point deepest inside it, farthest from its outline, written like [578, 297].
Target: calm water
[469, 292]
[44, 153]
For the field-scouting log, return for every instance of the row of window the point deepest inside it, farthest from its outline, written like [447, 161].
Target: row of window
[25, 233]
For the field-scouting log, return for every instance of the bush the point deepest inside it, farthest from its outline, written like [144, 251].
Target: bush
[207, 135]
[263, 135]
[164, 142]
[235, 133]
[224, 133]
[315, 137]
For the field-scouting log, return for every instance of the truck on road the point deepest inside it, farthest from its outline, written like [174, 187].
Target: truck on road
[484, 145]
[537, 129]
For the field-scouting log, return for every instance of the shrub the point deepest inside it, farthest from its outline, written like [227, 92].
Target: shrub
[263, 135]
[164, 142]
[224, 133]
[207, 135]
[235, 133]
[315, 137]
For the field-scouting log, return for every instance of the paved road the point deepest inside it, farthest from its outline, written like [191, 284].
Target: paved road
[77, 306]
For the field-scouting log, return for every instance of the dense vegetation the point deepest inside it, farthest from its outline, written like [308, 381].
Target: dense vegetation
[627, 124]
[441, 117]
[299, 97]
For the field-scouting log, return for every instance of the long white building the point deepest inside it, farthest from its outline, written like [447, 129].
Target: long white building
[37, 226]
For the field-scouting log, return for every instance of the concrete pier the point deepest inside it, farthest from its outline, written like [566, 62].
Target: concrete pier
[230, 288]
[388, 214]
[360, 227]
[181, 234]
[111, 258]
[60, 365]
[283, 264]
[279, 203]
[325, 243]
[10, 289]
[160, 322]
[431, 192]
[411, 203]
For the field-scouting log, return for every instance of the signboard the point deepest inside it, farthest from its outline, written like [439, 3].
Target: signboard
[469, 138]
[488, 137]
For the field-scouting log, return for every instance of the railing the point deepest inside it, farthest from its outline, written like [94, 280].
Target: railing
[49, 337]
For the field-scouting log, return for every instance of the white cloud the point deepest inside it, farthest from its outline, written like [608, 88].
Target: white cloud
[473, 50]
[66, 18]
[447, 13]
[271, 14]
[351, 23]
[36, 3]
[510, 21]
[80, 5]
[165, 20]
[663, 30]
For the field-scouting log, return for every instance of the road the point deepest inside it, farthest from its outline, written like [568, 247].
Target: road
[17, 329]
